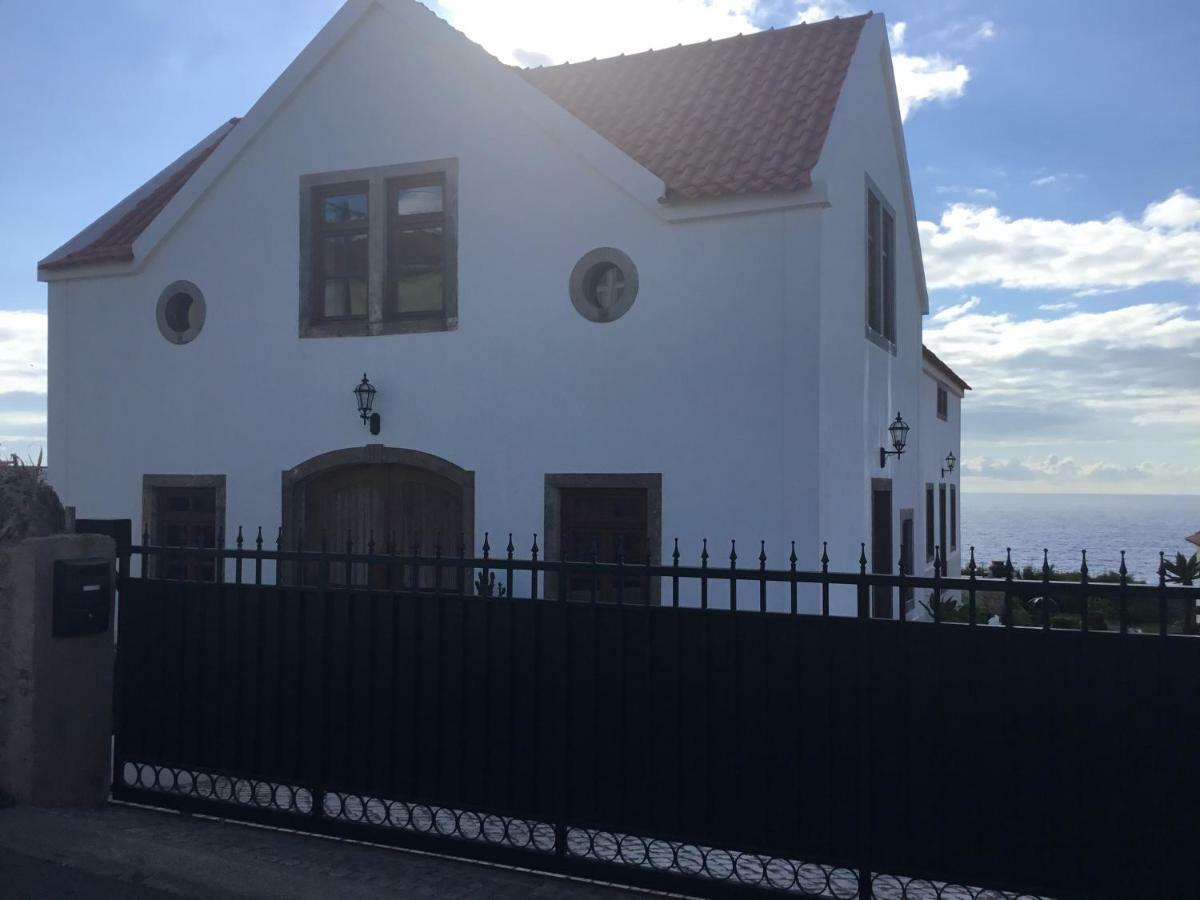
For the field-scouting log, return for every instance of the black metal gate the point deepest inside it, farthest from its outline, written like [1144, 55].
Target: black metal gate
[736, 738]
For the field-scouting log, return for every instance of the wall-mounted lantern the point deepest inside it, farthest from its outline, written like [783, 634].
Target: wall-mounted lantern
[950, 461]
[365, 395]
[899, 434]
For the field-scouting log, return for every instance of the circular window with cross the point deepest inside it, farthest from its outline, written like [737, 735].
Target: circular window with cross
[604, 284]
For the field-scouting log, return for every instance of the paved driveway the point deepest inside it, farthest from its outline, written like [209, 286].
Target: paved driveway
[126, 852]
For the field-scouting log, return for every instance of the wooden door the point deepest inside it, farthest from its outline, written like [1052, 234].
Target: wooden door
[187, 517]
[881, 547]
[906, 556]
[418, 511]
[605, 521]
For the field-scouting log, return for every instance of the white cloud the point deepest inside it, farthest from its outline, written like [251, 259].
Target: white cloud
[534, 32]
[950, 313]
[1058, 307]
[22, 351]
[1123, 381]
[1060, 178]
[1179, 212]
[933, 76]
[1060, 473]
[980, 193]
[1056, 468]
[22, 381]
[979, 245]
[920, 79]
[562, 32]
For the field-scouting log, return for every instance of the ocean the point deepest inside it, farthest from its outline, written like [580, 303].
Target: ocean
[1103, 524]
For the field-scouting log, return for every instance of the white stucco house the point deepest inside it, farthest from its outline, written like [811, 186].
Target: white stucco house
[676, 294]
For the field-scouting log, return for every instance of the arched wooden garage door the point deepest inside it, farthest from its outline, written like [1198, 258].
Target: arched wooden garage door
[381, 494]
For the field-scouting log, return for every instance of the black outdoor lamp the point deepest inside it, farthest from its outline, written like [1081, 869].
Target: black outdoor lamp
[899, 433]
[950, 461]
[365, 395]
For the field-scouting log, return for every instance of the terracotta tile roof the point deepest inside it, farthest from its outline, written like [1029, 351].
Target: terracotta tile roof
[116, 243]
[743, 115]
[936, 363]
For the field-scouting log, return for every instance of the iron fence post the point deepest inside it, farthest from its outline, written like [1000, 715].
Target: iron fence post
[864, 593]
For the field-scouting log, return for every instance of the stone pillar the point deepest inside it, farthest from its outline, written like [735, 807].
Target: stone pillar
[55, 692]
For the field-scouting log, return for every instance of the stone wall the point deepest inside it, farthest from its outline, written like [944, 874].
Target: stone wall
[55, 693]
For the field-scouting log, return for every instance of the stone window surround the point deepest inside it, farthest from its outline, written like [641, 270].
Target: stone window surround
[577, 285]
[198, 312]
[150, 486]
[552, 520]
[377, 179]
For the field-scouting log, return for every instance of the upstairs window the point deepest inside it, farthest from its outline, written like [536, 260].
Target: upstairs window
[341, 258]
[943, 403]
[416, 263]
[881, 270]
[379, 250]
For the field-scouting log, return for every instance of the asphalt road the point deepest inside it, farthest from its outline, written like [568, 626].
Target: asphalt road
[26, 878]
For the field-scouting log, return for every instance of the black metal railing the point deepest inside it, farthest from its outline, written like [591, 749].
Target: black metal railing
[715, 729]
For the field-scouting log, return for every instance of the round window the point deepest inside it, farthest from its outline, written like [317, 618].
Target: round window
[604, 284]
[181, 312]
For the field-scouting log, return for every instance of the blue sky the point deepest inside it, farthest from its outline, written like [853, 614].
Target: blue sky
[1055, 153]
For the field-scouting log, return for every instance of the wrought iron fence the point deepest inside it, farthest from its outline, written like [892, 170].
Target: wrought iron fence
[974, 597]
[716, 729]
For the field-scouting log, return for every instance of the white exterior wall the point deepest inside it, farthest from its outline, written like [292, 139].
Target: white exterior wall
[940, 437]
[695, 382]
[742, 372]
[863, 386]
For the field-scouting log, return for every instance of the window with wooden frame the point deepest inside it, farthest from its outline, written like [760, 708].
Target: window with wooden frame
[881, 270]
[379, 250]
[340, 254]
[943, 403]
[184, 511]
[416, 239]
[612, 516]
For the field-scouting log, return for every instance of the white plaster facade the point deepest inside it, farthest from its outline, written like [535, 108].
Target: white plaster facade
[742, 373]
